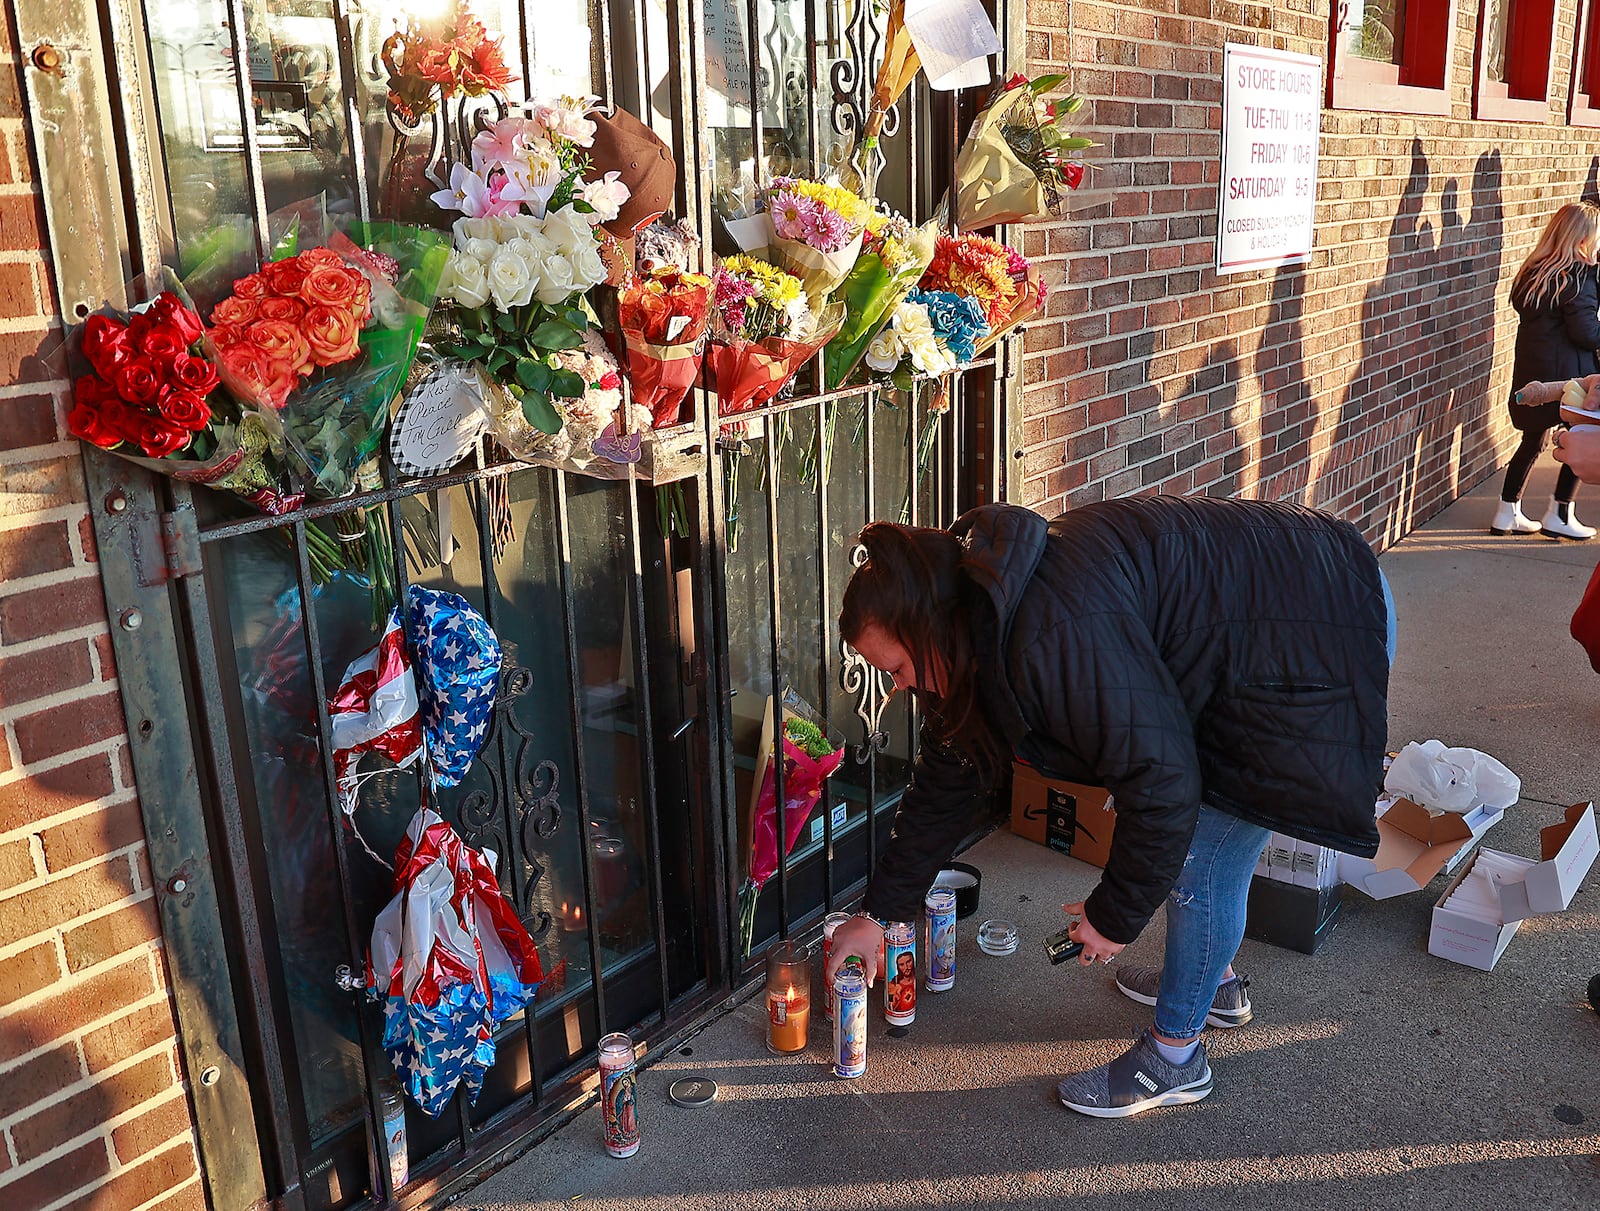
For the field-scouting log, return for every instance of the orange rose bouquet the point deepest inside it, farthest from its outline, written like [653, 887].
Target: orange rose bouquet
[320, 341]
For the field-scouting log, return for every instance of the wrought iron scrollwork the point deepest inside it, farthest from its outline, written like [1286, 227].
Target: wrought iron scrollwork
[869, 686]
[853, 75]
[522, 805]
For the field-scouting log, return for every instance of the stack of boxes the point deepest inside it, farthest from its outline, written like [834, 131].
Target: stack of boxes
[1295, 895]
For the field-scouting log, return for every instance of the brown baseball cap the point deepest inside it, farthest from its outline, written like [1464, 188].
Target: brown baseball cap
[626, 145]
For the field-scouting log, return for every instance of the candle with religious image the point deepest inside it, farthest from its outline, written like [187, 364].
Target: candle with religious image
[900, 974]
[940, 906]
[830, 923]
[618, 1103]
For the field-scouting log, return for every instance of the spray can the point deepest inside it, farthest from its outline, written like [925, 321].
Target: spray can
[900, 974]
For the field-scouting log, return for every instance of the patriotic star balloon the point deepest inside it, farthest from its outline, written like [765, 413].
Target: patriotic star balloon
[458, 671]
[375, 710]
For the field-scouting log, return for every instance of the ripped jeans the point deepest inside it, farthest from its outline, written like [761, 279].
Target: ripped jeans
[1205, 919]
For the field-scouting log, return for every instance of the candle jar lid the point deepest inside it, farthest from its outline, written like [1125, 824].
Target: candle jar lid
[997, 937]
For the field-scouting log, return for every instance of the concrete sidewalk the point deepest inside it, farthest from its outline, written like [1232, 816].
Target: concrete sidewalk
[1373, 1076]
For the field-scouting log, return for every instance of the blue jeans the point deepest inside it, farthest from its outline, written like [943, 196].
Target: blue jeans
[1205, 919]
[1206, 906]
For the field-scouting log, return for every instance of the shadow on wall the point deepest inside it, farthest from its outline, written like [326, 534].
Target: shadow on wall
[1430, 312]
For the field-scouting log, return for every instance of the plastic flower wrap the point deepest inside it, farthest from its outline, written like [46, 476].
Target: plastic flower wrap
[764, 327]
[1018, 163]
[1001, 280]
[663, 318]
[153, 397]
[894, 255]
[809, 229]
[809, 755]
[319, 342]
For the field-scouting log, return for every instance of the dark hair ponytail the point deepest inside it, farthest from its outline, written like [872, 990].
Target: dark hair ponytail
[910, 588]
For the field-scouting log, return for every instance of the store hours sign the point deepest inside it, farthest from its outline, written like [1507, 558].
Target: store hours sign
[1271, 125]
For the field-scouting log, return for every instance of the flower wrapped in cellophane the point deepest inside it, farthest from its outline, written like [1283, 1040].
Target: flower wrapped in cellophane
[810, 229]
[894, 255]
[1018, 163]
[663, 316]
[764, 327]
[1002, 281]
[153, 397]
[319, 342]
[930, 333]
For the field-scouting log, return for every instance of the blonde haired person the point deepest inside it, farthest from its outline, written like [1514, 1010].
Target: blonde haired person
[1557, 298]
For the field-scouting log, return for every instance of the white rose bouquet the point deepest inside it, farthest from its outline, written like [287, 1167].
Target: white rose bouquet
[910, 344]
[525, 252]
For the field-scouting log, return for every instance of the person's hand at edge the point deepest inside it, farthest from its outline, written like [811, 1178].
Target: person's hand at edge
[1096, 947]
[1579, 448]
[860, 936]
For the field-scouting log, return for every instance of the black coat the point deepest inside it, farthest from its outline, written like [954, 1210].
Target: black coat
[1179, 651]
[1556, 340]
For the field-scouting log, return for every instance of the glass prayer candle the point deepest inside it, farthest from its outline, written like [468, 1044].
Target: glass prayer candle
[788, 996]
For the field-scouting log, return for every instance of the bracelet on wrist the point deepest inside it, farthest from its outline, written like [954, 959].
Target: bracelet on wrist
[878, 921]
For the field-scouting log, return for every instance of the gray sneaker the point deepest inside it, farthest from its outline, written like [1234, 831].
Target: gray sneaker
[1137, 1081]
[1229, 1008]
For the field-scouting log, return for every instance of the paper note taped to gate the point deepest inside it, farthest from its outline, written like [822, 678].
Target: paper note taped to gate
[954, 39]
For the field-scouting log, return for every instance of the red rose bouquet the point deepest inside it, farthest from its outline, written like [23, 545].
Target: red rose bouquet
[153, 396]
[663, 317]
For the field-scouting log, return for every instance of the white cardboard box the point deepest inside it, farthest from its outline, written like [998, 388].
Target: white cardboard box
[1567, 850]
[1415, 845]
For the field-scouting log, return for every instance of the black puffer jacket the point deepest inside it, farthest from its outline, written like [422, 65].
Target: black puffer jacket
[1180, 651]
[1556, 340]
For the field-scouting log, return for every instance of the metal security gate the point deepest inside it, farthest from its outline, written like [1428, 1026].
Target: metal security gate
[645, 634]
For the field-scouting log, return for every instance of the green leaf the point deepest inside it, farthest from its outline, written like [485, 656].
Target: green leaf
[554, 335]
[1043, 84]
[532, 374]
[498, 361]
[540, 412]
[564, 384]
[504, 322]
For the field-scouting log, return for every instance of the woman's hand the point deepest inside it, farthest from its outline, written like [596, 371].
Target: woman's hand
[860, 936]
[1095, 945]
[1579, 448]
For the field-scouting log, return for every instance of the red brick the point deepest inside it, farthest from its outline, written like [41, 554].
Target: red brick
[30, 675]
[41, 796]
[44, 1076]
[22, 354]
[107, 657]
[78, 1003]
[97, 1104]
[75, 724]
[65, 899]
[91, 552]
[21, 223]
[51, 609]
[151, 1130]
[19, 297]
[138, 1185]
[26, 973]
[6, 177]
[34, 550]
[16, 864]
[77, 1169]
[95, 835]
[138, 1031]
[191, 1198]
[27, 420]
[108, 936]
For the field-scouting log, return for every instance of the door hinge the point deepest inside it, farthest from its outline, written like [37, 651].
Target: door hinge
[169, 550]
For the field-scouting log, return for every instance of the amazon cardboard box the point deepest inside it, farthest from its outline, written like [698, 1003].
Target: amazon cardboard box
[1067, 816]
[1414, 845]
[1475, 926]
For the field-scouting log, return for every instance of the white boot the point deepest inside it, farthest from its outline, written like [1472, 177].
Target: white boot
[1562, 522]
[1508, 519]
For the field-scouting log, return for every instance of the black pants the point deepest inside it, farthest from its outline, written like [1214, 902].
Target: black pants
[1522, 462]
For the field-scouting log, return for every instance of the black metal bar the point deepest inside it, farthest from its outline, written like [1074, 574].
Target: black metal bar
[757, 135]
[869, 439]
[644, 713]
[825, 419]
[775, 599]
[357, 135]
[608, 91]
[286, 1126]
[319, 692]
[575, 690]
[254, 182]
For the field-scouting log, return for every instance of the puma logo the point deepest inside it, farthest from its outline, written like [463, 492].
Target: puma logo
[1145, 1081]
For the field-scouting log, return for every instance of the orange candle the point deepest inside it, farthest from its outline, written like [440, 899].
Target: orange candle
[788, 997]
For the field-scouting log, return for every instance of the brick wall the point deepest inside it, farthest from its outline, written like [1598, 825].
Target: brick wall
[93, 1113]
[1372, 382]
